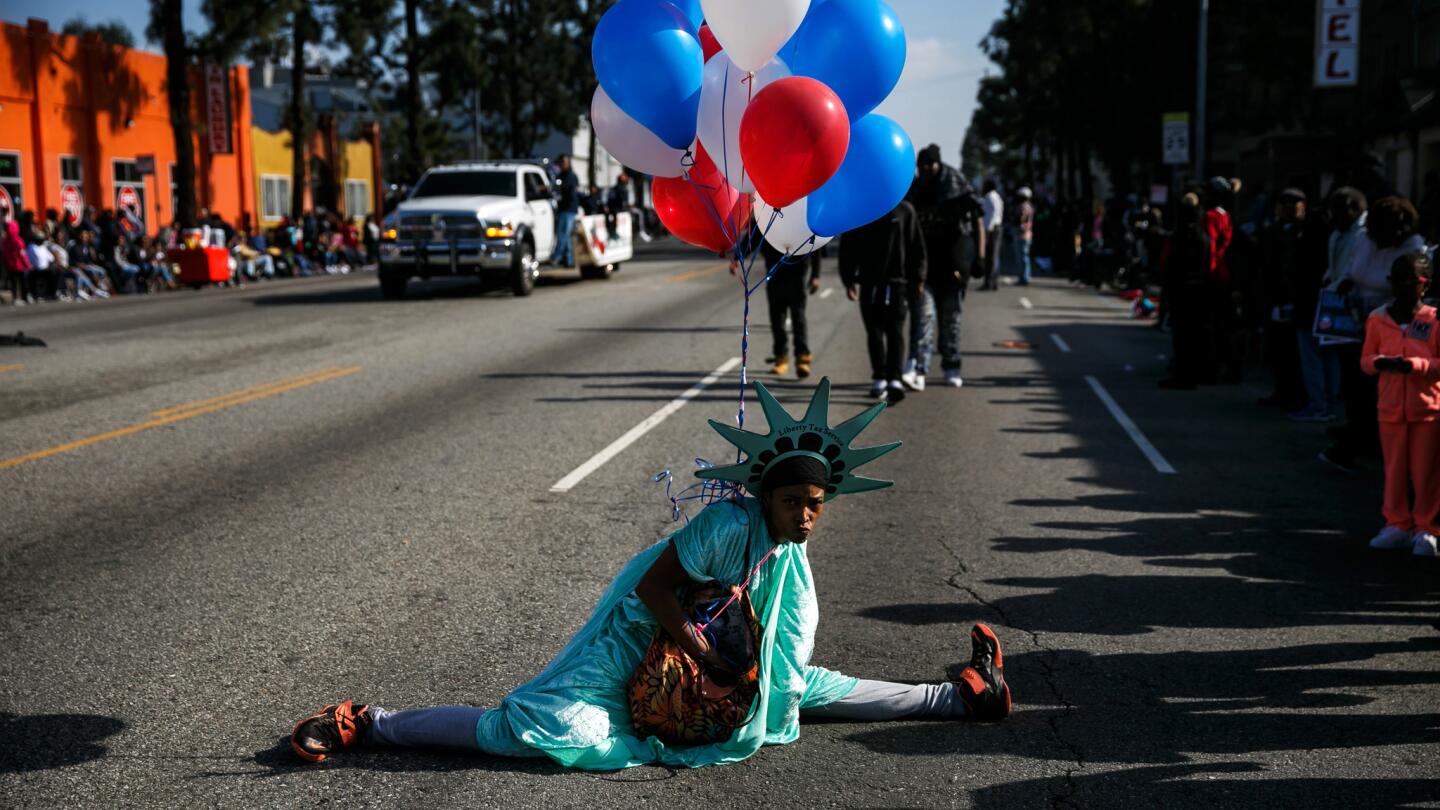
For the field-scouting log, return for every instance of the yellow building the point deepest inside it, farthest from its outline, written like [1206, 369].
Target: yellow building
[342, 175]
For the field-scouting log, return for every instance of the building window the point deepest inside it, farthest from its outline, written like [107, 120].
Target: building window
[72, 187]
[129, 189]
[12, 192]
[357, 198]
[274, 197]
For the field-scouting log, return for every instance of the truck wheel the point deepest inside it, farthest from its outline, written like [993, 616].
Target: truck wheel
[392, 286]
[524, 269]
[597, 271]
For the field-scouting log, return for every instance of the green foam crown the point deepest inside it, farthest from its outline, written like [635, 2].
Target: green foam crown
[811, 436]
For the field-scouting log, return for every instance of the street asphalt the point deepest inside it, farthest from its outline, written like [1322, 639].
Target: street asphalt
[222, 509]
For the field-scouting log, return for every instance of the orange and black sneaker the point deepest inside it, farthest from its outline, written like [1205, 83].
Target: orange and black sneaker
[331, 729]
[982, 684]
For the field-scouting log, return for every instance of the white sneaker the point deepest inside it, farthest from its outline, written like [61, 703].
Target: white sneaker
[913, 381]
[877, 388]
[1425, 544]
[952, 379]
[1391, 537]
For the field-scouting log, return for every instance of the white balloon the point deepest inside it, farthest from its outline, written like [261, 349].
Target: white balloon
[725, 93]
[789, 233]
[629, 142]
[752, 31]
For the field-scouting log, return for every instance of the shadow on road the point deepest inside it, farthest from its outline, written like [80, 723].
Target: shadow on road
[1251, 543]
[440, 289]
[664, 386]
[280, 760]
[43, 741]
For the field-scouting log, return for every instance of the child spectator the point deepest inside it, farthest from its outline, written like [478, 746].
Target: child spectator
[1402, 346]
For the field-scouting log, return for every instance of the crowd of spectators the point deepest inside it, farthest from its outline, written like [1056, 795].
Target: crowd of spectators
[106, 252]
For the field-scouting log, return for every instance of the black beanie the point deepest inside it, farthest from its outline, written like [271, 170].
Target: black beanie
[928, 155]
[796, 470]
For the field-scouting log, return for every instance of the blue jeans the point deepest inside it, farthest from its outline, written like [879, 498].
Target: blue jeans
[922, 332]
[1320, 369]
[1024, 245]
[564, 226]
[944, 307]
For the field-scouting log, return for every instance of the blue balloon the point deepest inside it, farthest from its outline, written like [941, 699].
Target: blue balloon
[692, 11]
[787, 51]
[648, 58]
[872, 180]
[857, 47]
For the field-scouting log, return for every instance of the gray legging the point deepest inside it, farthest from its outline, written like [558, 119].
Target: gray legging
[454, 726]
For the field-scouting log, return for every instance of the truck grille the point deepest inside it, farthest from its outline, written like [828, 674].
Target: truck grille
[440, 226]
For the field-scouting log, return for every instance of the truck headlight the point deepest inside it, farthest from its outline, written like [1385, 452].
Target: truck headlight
[499, 232]
[390, 234]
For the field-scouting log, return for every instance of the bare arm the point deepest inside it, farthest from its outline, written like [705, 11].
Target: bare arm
[657, 591]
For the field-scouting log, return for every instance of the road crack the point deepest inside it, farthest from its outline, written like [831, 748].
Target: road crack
[1049, 660]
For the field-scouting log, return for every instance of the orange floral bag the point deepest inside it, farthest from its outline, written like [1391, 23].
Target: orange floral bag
[675, 699]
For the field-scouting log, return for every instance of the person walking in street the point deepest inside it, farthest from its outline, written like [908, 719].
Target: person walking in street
[1279, 251]
[1223, 320]
[994, 208]
[792, 280]
[951, 221]
[668, 670]
[1024, 232]
[1402, 349]
[567, 205]
[1319, 365]
[13, 261]
[1389, 234]
[882, 265]
[1185, 267]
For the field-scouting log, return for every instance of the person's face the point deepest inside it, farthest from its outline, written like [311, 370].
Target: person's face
[792, 511]
[1408, 286]
[933, 168]
[1290, 210]
[564, 164]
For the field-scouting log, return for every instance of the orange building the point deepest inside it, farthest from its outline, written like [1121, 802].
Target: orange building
[78, 117]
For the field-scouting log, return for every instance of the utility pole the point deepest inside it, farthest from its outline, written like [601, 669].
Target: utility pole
[1200, 70]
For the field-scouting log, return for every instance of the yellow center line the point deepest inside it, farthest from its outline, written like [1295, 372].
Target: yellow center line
[704, 271]
[174, 409]
[332, 374]
[11, 367]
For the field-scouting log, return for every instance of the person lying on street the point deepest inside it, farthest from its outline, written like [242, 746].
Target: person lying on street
[699, 651]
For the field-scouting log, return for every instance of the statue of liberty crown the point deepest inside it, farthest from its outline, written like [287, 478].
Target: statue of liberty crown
[811, 436]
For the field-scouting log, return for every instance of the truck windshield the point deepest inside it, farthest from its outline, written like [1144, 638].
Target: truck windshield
[466, 184]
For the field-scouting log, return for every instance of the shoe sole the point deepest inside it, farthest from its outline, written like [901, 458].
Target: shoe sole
[982, 634]
[300, 751]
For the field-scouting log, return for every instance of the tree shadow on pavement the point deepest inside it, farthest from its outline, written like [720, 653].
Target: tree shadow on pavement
[43, 741]
[1209, 785]
[1165, 707]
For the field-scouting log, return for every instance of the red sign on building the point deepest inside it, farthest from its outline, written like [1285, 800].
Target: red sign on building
[72, 201]
[128, 197]
[217, 109]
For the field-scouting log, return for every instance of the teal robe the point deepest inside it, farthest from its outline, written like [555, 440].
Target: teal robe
[577, 712]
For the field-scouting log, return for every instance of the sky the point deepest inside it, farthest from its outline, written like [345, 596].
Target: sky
[933, 101]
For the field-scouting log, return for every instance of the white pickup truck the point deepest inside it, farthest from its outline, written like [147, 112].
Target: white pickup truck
[490, 218]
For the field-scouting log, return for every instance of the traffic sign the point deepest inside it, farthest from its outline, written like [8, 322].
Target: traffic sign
[72, 201]
[128, 197]
[1175, 138]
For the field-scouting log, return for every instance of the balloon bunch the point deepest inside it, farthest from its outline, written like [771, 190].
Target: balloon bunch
[724, 100]
[780, 94]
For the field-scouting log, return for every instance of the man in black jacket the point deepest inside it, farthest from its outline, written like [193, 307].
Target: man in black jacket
[883, 267]
[952, 221]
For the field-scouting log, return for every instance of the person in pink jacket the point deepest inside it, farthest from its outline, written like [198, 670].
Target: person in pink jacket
[1402, 346]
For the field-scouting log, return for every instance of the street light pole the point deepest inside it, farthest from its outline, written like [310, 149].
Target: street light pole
[1200, 70]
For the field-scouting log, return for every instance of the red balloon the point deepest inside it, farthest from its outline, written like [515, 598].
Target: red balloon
[695, 209]
[793, 138]
[708, 43]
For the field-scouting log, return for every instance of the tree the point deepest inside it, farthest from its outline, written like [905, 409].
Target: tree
[272, 29]
[113, 32]
[168, 27]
